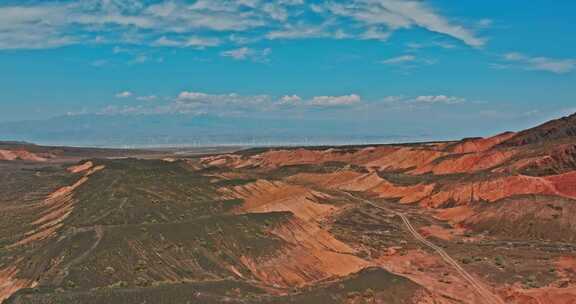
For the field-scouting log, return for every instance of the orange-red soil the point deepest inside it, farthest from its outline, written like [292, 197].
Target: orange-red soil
[22, 155]
[53, 211]
[480, 144]
[265, 196]
[312, 255]
[432, 273]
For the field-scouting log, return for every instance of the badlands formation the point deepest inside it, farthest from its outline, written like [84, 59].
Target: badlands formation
[481, 220]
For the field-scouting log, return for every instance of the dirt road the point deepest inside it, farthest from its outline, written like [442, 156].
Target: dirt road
[486, 295]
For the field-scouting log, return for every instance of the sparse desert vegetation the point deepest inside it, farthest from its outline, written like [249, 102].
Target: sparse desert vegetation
[424, 223]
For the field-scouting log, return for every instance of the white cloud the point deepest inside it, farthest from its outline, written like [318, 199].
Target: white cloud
[203, 23]
[307, 31]
[420, 102]
[245, 53]
[399, 59]
[557, 66]
[124, 94]
[374, 33]
[408, 61]
[211, 15]
[167, 42]
[290, 100]
[425, 17]
[33, 27]
[403, 14]
[200, 99]
[191, 97]
[193, 41]
[297, 32]
[202, 42]
[193, 102]
[329, 101]
[115, 19]
[439, 99]
[238, 54]
[275, 11]
[515, 57]
[412, 46]
[49, 24]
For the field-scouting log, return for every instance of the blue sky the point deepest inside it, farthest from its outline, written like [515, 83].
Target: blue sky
[484, 66]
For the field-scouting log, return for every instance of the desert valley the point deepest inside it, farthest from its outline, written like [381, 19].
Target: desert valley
[480, 220]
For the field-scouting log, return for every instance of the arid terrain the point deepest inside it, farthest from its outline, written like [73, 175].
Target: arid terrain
[480, 220]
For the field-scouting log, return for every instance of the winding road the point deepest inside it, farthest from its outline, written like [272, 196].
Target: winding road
[487, 296]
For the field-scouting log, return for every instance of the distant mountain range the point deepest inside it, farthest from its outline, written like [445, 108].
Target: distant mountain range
[195, 130]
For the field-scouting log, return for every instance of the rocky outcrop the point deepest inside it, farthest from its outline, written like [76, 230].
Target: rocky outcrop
[525, 217]
[81, 167]
[381, 157]
[474, 145]
[265, 196]
[467, 163]
[11, 155]
[540, 295]
[559, 129]
[51, 213]
[312, 255]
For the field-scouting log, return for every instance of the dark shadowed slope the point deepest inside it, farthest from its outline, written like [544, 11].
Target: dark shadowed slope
[561, 128]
